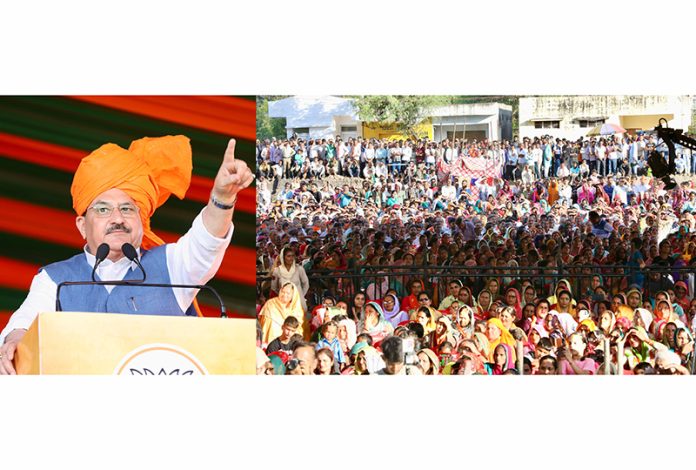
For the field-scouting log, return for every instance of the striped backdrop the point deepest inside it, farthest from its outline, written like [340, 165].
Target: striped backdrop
[42, 140]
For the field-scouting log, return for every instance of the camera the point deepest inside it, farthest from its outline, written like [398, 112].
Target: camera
[292, 365]
[410, 355]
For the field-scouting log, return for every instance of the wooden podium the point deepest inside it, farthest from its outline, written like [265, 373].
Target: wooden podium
[107, 343]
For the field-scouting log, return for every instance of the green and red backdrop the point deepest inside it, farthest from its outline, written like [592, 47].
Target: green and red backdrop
[43, 139]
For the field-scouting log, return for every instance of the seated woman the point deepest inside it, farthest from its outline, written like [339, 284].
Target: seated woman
[483, 348]
[639, 347]
[426, 318]
[441, 335]
[642, 318]
[374, 323]
[485, 301]
[497, 334]
[513, 299]
[465, 322]
[564, 303]
[684, 346]
[573, 358]
[277, 309]
[325, 362]
[561, 285]
[606, 322]
[466, 298]
[392, 313]
[428, 362]
[503, 359]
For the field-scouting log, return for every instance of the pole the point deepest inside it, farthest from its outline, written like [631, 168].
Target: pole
[607, 356]
[520, 357]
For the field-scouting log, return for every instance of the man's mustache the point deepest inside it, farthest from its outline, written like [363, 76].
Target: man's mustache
[116, 227]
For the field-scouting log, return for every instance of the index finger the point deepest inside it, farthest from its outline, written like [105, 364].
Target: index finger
[229, 152]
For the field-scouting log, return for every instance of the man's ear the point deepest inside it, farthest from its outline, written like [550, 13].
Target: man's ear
[80, 224]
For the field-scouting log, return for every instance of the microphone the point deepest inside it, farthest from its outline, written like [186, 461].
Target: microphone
[130, 253]
[100, 255]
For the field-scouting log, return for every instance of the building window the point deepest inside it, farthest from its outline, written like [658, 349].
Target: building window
[547, 124]
[302, 132]
[590, 122]
[349, 128]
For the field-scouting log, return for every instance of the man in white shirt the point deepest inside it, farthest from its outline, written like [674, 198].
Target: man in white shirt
[448, 191]
[115, 192]
[407, 153]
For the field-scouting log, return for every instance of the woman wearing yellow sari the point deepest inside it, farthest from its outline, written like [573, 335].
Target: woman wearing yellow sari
[277, 309]
[497, 334]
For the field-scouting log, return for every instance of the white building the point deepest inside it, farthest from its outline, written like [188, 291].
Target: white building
[317, 117]
[478, 121]
[572, 117]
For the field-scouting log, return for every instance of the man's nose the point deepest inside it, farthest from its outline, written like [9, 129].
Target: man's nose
[116, 215]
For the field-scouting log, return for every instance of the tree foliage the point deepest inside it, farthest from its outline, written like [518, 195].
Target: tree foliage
[404, 112]
[267, 127]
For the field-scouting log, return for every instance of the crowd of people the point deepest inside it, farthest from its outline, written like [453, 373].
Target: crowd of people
[419, 271]
[528, 159]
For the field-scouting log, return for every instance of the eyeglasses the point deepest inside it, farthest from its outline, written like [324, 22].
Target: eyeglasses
[104, 210]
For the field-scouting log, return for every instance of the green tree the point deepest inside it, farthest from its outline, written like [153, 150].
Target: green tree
[267, 127]
[404, 112]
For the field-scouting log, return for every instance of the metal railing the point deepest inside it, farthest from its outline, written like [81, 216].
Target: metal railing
[376, 280]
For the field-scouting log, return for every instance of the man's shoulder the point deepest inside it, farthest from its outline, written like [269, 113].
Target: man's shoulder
[73, 260]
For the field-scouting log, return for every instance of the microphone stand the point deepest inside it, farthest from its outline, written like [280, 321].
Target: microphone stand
[223, 310]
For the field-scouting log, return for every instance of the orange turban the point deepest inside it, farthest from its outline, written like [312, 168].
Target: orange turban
[148, 172]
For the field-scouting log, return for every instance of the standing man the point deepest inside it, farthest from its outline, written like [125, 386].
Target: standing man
[115, 192]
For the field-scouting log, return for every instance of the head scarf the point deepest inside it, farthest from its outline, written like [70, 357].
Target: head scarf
[554, 298]
[510, 358]
[351, 329]
[287, 273]
[484, 308]
[394, 311]
[484, 344]
[518, 302]
[357, 347]
[624, 311]
[447, 335]
[148, 172]
[624, 322]
[377, 308]
[472, 299]
[524, 291]
[680, 329]
[468, 311]
[278, 364]
[432, 357]
[683, 301]
[645, 315]
[640, 295]
[589, 324]
[568, 323]
[274, 313]
[505, 335]
[382, 328]
[671, 316]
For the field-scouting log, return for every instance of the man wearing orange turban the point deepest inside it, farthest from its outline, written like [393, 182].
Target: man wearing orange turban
[115, 192]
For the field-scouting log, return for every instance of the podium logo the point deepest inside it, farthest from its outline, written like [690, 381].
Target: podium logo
[160, 359]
